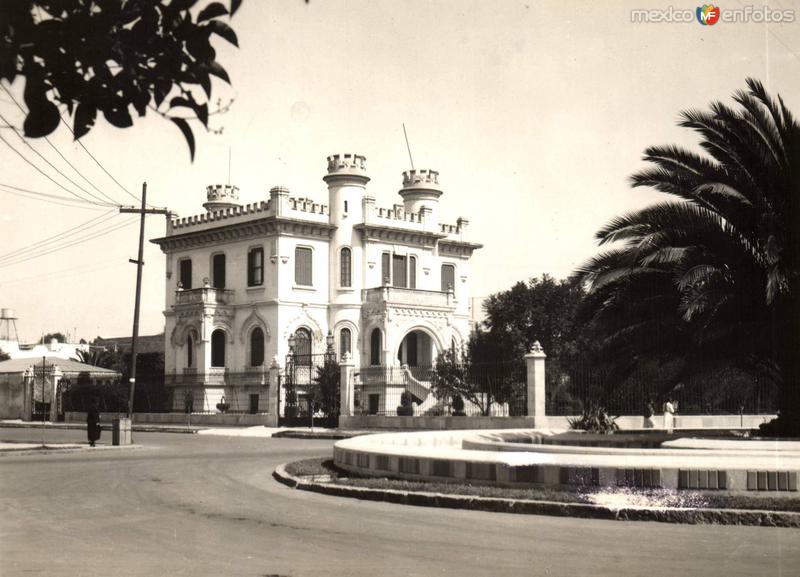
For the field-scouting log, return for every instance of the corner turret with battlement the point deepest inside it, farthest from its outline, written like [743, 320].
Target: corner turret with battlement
[221, 196]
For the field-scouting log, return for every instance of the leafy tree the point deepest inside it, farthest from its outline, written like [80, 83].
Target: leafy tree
[50, 336]
[87, 56]
[456, 375]
[712, 276]
[540, 310]
[324, 392]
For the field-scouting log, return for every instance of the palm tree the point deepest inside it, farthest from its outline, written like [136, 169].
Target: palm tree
[98, 357]
[711, 275]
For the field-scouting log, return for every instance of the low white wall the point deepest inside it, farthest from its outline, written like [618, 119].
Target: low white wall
[229, 419]
[624, 422]
[436, 423]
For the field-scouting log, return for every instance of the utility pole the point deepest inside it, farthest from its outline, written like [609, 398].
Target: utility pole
[139, 263]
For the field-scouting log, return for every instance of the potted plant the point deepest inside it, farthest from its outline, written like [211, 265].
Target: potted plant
[458, 406]
[223, 406]
[406, 408]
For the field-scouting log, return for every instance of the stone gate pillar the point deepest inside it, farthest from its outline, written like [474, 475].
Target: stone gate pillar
[274, 386]
[534, 361]
[346, 387]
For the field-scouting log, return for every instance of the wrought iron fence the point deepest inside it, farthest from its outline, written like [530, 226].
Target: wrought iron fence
[217, 391]
[497, 389]
[571, 388]
[310, 390]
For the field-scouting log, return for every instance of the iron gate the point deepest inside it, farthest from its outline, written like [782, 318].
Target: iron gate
[309, 391]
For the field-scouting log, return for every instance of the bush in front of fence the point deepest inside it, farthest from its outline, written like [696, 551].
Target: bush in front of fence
[406, 408]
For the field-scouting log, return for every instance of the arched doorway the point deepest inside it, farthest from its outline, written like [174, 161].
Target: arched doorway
[417, 349]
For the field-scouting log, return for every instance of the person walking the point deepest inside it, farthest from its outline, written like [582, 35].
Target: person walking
[648, 413]
[93, 424]
[669, 415]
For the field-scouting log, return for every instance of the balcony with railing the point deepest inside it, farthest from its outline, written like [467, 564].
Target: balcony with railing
[218, 377]
[409, 297]
[204, 295]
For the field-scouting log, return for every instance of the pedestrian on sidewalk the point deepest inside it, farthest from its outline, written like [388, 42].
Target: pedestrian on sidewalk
[669, 415]
[93, 424]
[648, 412]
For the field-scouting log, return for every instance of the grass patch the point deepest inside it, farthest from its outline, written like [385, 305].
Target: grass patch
[611, 496]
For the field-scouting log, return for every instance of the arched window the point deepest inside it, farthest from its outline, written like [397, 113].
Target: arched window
[190, 351]
[412, 272]
[302, 347]
[218, 348]
[345, 265]
[256, 347]
[375, 347]
[344, 342]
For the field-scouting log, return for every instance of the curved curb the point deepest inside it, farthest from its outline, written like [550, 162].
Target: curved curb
[551, 508]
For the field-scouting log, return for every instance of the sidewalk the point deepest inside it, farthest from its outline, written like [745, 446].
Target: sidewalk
[140, 427]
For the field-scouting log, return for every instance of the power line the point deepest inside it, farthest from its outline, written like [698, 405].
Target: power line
[92, 222]
[54, 167]
[54, 147]
[78, 241]
[46, 197]
[47, 176]
[86, 150]
[68, 272]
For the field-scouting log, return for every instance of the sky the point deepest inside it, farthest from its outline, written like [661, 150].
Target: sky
[535, 114]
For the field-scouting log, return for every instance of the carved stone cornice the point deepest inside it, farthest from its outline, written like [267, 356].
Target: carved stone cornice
[263, 227]
[398, 235]
[457, 248]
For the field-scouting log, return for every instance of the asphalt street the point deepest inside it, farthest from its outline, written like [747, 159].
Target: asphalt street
[205, 505]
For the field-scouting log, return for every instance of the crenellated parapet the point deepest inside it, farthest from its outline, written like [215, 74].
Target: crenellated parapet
[221, 196]
[422, 178]
[307, 205]
[256, 208]
[348, 168]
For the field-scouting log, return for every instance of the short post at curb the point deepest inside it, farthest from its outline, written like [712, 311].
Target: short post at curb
[535, 361]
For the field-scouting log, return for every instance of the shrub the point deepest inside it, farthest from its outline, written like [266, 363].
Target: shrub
[406, 408]
[594, 419]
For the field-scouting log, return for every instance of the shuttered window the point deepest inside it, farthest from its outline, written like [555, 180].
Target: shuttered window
[185, 271]
[345, 264]
[385, 272]
[448, 278]
[218, 271]
[399, 271]
[302, 266]
[412, 272]
[255, 266]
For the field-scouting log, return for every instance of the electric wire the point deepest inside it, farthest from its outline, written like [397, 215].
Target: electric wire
[91, 223]
[47, 176]
[54, 147]
[54, 199]
[97, 234]
[54, 167]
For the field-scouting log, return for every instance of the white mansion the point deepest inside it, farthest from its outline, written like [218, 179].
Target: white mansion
[389, 285]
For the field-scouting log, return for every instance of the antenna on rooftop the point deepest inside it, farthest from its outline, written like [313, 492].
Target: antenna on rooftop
[408, 147]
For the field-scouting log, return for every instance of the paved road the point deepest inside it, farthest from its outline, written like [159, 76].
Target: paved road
[192, 505]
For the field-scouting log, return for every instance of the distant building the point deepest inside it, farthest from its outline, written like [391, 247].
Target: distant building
[145, 344]
[389, 285]
[32, 389]
[9, 342]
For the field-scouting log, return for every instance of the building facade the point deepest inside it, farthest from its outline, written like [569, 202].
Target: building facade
[388, 286]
